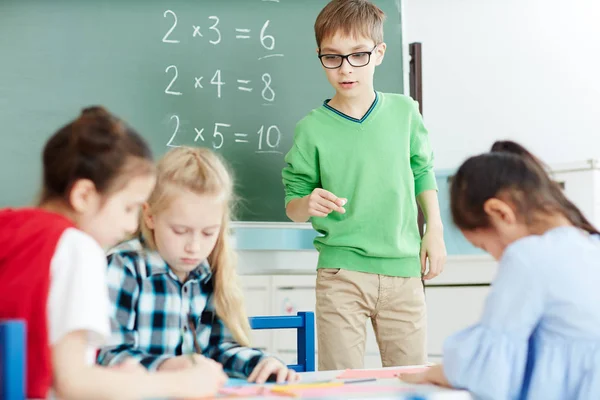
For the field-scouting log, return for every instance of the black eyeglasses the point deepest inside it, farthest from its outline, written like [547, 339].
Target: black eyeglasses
[360, 59]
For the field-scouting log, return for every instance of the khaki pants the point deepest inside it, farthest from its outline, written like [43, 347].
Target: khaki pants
[396, 307]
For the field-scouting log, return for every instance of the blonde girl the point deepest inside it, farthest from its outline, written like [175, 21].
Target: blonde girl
[174, 288]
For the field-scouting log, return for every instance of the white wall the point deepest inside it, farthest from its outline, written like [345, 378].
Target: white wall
[528, 70]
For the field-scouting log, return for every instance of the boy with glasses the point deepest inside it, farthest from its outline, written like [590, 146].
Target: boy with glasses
[355, 167]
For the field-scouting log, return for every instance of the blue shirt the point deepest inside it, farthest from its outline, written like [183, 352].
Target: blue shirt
[150, 308]
[539, 336]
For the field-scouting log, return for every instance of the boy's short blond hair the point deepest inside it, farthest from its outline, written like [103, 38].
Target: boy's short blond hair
[352, 18]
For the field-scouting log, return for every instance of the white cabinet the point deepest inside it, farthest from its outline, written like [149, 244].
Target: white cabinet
[290, 295]
[449, 310]
[372, 357]
[455, 299]
[257, 296]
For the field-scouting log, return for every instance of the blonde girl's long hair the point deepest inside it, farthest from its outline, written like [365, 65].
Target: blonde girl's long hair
[202, 171]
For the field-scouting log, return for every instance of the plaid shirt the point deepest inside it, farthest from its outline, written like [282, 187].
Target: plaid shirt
[150, 309]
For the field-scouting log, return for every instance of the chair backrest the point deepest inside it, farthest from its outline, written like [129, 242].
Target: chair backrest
[304, 322]
[12, 360]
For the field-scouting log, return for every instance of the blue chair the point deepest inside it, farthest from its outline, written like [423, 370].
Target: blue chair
[12, 360]
[304, 322]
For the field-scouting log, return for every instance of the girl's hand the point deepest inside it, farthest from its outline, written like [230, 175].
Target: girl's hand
[269, 366]
[129, 365]
[183, 362]
[434, 375]
[203, 379]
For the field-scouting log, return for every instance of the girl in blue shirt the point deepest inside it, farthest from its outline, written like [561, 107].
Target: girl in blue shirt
[539, 335]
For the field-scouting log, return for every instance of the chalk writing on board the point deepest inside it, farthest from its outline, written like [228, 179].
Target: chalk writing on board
[217, 134]
[266, 138]
[266, 40]
[244, 88]
[176, 74]
[199, 134]
[166, 37]
[267, 92]
[170, 143]
[196, 31]
[216, 30]
[216, 80]
[270, 55]
[242, 33]
[241, 135]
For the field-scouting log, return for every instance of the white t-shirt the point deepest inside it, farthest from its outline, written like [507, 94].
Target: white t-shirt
[78, 297]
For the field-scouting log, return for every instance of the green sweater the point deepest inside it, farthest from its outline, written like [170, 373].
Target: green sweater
[379, 163]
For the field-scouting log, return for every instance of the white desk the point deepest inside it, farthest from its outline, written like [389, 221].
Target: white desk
[421, 392]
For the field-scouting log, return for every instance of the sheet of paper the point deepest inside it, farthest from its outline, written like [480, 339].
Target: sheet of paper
[237, 382]
[347, 390]
[378, 373]
[248, 391]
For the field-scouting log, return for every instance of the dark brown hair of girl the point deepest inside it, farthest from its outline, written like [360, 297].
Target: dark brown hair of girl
[510, 172]
[96, 146]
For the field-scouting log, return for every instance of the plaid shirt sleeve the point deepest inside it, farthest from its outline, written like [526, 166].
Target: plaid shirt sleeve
[237, 361]
[123, 292]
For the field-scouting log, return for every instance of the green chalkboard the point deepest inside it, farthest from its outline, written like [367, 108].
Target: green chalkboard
[235, 75]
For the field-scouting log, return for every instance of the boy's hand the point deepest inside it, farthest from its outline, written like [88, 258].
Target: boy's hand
[321, 203]
[185, 361]
[272, 366]
[434, 375]
[434, 249]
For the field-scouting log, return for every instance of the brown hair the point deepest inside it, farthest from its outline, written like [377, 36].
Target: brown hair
[96, 146]
[202, 171]
[354, 18]
[509, 170]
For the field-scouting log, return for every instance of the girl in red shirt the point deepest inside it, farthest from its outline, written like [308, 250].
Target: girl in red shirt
[97, 172]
